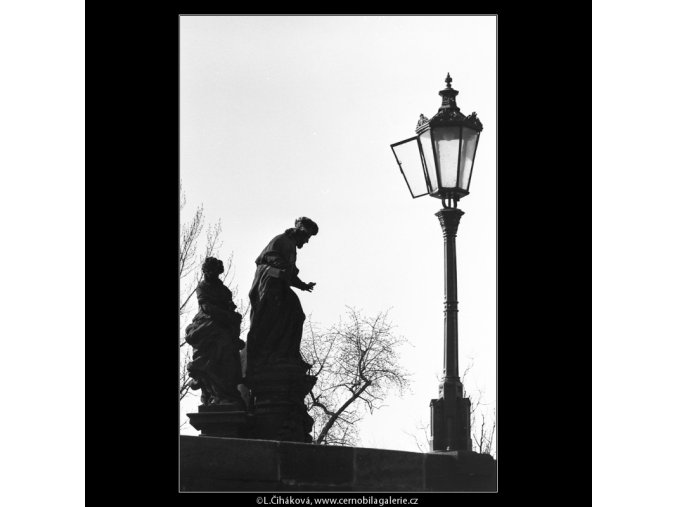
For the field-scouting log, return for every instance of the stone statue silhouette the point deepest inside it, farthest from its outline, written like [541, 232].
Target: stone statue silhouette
[214, 335]
[276, 315]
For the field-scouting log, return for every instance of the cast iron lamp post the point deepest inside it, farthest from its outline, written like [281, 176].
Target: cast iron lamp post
[438, 161]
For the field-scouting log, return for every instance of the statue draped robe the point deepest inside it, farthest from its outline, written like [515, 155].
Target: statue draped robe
[276, 314]
[214, 336]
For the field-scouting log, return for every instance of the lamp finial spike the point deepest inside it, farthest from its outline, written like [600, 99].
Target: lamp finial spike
[448, 96]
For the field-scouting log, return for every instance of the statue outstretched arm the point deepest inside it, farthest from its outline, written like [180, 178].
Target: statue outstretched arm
[299, 284]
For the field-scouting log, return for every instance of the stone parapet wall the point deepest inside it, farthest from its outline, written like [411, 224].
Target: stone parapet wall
[231, 464]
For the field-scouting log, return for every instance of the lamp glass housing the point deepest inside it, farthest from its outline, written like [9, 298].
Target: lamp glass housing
[468, 149]
[408, 156]
[438, 161]
[447, 144]
[429, 161]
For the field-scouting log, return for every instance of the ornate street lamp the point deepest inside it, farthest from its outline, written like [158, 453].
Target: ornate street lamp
[439, 161]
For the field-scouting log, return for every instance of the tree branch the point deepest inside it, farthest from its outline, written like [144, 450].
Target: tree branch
[332, 419]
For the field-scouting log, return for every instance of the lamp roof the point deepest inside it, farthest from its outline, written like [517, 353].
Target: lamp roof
[449, 112]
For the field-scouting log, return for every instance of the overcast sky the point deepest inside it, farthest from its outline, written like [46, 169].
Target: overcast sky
[288, 116]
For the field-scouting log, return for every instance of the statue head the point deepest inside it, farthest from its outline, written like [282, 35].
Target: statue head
[212, 267]
[306, 224]
[305, 228]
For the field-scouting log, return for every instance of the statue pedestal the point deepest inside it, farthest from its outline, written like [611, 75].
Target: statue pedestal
[220, 421]
[277, 402]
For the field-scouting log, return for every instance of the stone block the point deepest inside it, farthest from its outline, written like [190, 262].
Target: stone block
[310, 464]
[219, 423]
[280, 413]
[228, 458]
[209, 484]
[442, 473]
[231, 464]
[385, 470]
[459, 471]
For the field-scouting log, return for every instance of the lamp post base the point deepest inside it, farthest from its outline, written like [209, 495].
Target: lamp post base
[450, 424]
[450, 418]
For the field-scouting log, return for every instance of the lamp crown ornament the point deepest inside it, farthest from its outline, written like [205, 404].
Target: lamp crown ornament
[450, 112]
[422, 123]
[448, 96]
[474, 122]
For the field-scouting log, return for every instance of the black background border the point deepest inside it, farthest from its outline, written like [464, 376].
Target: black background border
[132, 226]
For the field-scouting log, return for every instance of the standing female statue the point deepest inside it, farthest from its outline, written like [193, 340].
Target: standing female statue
[214, 335]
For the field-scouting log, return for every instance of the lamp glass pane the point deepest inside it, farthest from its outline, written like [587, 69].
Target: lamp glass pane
[447, 141]
[408, 156]
[467, 155]
[427, 147]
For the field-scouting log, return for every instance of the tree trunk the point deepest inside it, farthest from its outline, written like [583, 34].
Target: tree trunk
[332, 420]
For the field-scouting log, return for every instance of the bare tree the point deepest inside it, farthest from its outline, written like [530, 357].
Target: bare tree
[198, 241]
[190, 261]
[482, 434]
[421, 436]
[357, 364]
